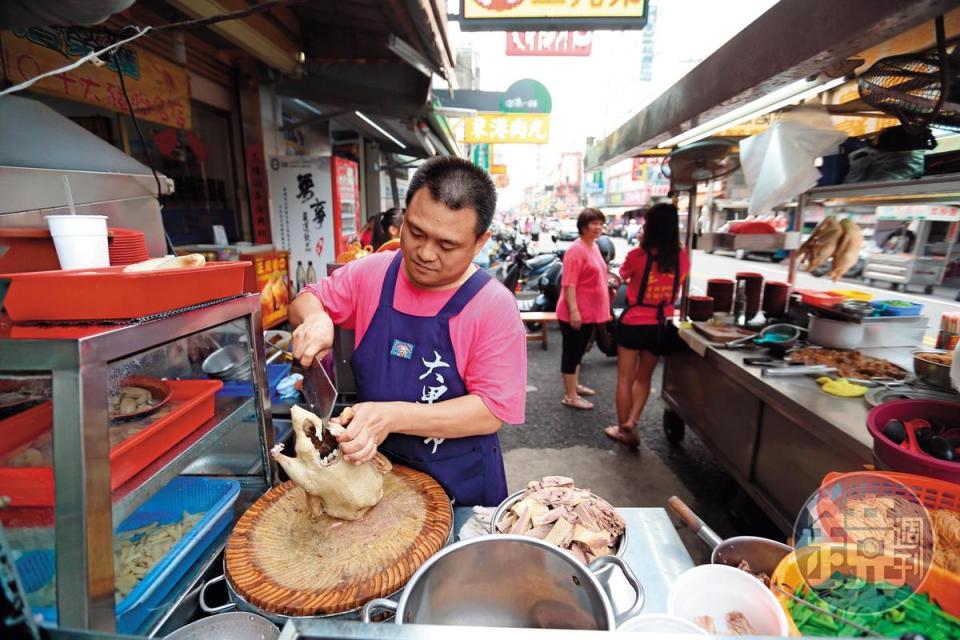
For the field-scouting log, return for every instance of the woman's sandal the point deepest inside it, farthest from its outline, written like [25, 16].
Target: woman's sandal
[585, 391]
[577, 403]
[623, 435]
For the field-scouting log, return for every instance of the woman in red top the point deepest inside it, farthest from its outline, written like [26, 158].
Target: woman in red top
[654, 272]
[584, 303]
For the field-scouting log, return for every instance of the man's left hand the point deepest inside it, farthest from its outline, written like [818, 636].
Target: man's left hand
[367, 428]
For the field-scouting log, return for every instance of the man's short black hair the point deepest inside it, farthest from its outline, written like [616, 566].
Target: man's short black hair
[458, 184]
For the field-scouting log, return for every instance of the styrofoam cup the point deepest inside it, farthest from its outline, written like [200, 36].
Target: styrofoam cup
[81, 240]
[716, 589]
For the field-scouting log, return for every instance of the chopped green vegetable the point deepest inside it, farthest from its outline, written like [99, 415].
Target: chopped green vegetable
[883, 608]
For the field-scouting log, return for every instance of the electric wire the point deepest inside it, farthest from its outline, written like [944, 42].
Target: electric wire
[77, 63]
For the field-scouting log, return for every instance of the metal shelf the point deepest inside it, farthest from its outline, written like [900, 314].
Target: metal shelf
[230, 412]
[944, 188]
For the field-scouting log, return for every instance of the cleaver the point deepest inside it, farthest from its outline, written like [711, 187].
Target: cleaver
[319, 392]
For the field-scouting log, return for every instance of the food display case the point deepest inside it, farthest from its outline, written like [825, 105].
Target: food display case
[120, 437]
[922, 206]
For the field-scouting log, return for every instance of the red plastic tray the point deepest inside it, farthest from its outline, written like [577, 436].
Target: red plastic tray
[110, 294]
[193, 404]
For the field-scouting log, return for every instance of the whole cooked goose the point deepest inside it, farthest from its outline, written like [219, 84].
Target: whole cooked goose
[331, 485]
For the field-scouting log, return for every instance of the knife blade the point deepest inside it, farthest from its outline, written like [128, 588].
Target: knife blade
[319, 392]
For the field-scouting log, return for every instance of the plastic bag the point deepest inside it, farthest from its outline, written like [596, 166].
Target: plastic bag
[778, 163]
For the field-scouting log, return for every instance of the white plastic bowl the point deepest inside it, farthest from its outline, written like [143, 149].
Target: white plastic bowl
[661, 623]
[715, 590]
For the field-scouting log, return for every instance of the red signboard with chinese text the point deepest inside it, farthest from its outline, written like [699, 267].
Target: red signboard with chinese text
[346, 201]
[259, 194]
[549, 43]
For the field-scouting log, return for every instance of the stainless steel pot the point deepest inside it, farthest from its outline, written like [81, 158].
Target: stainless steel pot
[513, 498]
[509, 581]
[228, 626]
[937, 375]
[241, 604]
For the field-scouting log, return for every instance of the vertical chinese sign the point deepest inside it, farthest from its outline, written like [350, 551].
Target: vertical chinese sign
[301, 196]
[259, 198]
[346, 201]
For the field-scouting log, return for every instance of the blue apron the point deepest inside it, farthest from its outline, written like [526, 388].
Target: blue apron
[410, 359]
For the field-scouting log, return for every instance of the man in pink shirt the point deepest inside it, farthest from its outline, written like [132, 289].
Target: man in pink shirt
[440, 352]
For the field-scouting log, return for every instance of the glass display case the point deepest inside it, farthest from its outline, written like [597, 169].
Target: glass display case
[125, 451]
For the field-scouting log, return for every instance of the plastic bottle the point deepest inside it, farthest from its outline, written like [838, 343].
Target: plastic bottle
[301, 276]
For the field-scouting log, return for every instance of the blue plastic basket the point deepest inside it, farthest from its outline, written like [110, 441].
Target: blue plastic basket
[275, 373]
[215, 497]
[885, 309]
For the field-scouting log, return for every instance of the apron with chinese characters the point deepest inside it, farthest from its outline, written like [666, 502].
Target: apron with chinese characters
[410, 359]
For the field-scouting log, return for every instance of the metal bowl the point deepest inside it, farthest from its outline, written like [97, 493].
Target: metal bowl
[515, 497]
[228, 363]
[937, 375]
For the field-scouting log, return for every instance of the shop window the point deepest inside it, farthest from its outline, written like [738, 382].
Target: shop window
[200, 162]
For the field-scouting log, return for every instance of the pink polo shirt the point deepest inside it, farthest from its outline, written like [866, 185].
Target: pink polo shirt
[585, 271]
[488, 338]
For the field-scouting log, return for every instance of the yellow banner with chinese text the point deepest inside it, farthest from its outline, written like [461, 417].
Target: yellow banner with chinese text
[506, 9]
[508, 128]
[159, 90]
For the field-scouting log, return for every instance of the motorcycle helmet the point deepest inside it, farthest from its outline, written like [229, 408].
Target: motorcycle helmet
[607, 250]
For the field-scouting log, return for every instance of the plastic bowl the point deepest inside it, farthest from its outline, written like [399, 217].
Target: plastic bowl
[661, 623]
[716, 589]
[899, 459]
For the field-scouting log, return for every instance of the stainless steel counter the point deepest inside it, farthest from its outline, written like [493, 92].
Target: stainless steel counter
[655, 553]
[777, 437]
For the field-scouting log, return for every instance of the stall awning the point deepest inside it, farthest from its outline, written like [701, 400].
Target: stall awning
[794, 40]
[377, 58]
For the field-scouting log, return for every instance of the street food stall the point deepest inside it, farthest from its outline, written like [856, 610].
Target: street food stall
[148, 491]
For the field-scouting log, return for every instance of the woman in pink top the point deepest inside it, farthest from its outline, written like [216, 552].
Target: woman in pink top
[583, 305]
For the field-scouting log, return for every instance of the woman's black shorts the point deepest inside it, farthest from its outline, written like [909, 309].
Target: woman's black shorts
[657, 339]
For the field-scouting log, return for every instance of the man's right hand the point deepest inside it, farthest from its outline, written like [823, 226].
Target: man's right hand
[313, 329]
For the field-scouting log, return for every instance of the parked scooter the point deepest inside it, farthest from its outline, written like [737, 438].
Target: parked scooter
[522, 268]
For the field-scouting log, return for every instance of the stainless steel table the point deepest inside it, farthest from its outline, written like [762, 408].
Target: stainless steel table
[777, 437]
[655, 553]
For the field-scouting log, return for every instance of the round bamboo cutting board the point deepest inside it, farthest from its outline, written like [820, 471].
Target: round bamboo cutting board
[280, 560]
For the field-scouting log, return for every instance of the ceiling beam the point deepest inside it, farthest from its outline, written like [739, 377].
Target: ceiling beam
[255, 35]
[793, 40]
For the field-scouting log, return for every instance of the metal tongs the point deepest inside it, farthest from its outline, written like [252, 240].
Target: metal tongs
[786, 372]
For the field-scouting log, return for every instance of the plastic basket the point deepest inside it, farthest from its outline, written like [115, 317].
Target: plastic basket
[942, 586]
[819, 298]
[192, 404]
[852, 294]
[215, 497]
[275, 373]
[884, 309]
[900, 459]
